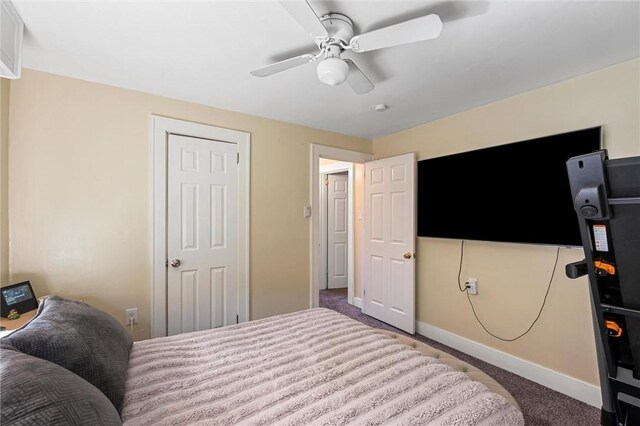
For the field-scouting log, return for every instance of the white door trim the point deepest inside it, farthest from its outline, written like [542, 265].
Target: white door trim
[315, 270]
[161, 127]
[325, 171]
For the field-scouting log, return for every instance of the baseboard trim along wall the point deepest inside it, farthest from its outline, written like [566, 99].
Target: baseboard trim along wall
[357, 302]
[577, 389]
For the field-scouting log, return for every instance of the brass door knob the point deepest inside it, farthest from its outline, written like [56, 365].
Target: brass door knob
[407, 255]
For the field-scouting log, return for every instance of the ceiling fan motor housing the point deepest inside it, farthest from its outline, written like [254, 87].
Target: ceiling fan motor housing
[339, 27]
[333, 70]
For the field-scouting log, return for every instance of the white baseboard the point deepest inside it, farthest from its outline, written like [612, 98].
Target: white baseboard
[575, 388]
[357, 302]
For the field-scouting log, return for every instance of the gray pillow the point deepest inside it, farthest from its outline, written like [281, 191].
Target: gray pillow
[39, 392]
[81, 339]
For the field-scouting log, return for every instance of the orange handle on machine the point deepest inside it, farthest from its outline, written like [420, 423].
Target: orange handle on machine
[613, 329]
[604, 266]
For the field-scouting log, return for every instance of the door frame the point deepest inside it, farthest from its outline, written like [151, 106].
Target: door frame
[325, 171]
[160, 129]
[315, 259]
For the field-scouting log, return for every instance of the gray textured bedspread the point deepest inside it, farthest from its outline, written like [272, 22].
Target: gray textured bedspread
[310, 367]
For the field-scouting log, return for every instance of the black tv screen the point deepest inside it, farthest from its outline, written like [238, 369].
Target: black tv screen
[516, 193]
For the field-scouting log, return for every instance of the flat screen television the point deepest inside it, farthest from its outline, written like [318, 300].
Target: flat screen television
[516, 193]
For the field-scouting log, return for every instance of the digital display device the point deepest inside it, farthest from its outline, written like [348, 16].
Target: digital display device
[19, 297]
[17, 294]
[518, 192]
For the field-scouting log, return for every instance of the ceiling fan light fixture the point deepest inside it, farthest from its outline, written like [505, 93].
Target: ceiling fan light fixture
[332, 71]
[333, 34]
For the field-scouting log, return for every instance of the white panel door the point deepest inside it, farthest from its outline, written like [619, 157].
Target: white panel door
[389, 243]
[337, 230]
[202, 234]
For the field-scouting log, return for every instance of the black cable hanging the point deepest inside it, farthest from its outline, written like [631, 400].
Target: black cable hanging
[544, 302]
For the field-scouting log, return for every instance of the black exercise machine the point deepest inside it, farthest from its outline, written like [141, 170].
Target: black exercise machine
[606, 196]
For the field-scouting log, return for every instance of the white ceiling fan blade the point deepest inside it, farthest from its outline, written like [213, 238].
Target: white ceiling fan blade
[419, 29]
[283, 65]
[302, 12]
[357, 80]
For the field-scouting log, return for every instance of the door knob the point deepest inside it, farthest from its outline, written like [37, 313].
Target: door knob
[407, 255]
[175, 263]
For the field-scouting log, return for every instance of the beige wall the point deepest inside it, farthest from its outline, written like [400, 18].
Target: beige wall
[5, 87]
[328, 162]
[79, 194]
[512, 278]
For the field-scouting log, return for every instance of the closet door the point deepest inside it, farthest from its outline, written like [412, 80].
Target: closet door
[337, 230]
[202, 234]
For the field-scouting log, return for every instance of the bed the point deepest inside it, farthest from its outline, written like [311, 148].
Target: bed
[310, 367]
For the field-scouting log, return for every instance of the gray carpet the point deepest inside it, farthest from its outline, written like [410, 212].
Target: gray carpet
[540, 405]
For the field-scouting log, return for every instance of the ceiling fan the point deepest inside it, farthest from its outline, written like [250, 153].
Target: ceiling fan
[333, 34]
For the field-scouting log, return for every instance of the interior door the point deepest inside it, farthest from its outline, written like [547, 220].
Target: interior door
[389, 243]
[202, 234]
[337, 230]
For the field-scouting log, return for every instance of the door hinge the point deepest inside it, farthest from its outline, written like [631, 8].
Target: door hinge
[166, 263]
[237, 319]
[238, 158]
[326, 182]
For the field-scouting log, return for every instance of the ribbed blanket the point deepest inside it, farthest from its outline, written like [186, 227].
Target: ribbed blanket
[311, 367]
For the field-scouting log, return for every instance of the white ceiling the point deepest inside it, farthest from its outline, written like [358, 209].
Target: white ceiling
[202, 51]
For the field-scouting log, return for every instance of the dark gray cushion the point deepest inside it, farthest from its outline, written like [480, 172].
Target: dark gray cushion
[39, 392]
[81, 339]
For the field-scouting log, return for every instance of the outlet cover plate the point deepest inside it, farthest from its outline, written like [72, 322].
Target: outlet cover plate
[131, 313]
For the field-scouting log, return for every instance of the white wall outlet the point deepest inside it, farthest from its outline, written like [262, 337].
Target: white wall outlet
[472, 286]
[306, 211]
[131, 314]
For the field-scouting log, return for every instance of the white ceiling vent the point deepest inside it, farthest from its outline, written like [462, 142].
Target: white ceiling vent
[11, 29]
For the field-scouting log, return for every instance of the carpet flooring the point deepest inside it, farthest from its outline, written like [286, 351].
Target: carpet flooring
[540, 405]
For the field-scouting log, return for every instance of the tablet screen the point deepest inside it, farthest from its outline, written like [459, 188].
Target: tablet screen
[17, 294]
